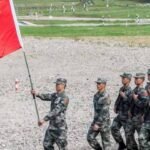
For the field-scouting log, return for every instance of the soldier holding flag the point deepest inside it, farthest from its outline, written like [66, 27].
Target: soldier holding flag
[57, 130]
[10, 41]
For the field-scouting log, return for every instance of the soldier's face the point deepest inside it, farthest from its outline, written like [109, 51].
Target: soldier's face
[139, 81]
[100, 86]
[125, 81]
[60, 87]
[148, 77]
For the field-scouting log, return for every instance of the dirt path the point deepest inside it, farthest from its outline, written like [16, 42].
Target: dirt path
[81, 62]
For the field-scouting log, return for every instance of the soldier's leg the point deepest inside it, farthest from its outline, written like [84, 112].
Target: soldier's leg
[61, 140]
[124, 124]
[105, 135]
[91, 138]
[144, 138]
[115, 130]
[48, 140]
[138, 129]
[129, 132]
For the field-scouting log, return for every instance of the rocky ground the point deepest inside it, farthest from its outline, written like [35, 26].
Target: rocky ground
[81, 61]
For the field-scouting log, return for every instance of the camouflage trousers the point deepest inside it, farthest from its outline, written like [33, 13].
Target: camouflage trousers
[133, 125]
[115, 129]
[104, 131]
[145, 136]
[58, 137]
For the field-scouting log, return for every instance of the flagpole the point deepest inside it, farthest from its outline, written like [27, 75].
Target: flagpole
[31, 83]
[9, 44]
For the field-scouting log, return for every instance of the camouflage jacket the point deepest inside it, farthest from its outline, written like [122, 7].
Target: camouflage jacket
[147, 86]
[122, 104]
[57, 114]
[137, 107]
[147, 112]
[101, 108]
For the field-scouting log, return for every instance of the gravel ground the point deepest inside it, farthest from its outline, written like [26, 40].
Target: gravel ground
[81, 62]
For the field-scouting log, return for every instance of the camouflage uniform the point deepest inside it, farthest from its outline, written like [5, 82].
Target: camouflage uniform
[136, 111]
[147, 86]
[102, 119]
[145, 130]
[57, 130]
[122, 106]
[148, 83]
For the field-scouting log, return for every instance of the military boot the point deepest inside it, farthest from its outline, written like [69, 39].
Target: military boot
[122, 146]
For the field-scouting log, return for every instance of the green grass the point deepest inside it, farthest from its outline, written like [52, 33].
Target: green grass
[38, 2]
[117, 9]
[86, 31]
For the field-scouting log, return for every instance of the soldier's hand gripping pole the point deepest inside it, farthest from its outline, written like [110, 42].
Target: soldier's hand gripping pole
[32, 88]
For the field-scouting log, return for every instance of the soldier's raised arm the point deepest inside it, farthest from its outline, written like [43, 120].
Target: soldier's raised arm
[44, 97]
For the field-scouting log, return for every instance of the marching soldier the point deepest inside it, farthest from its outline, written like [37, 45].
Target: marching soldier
[121, 107]
[139, 98]
[57, 130]
[101, 122]
[148, 77]
[145, 130]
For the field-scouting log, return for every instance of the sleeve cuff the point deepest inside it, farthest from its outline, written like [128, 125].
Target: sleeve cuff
[38, 95]
[46, 118]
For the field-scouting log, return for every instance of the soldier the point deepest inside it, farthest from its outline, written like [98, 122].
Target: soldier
[145, 130]
[101, 122]
[139, 97]
[57, 130]
[148, 77]
[121, 107]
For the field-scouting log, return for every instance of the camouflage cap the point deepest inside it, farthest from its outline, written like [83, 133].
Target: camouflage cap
[139, 75]
[126, 75]
[61, 81]
[148, 72]
[101, 80]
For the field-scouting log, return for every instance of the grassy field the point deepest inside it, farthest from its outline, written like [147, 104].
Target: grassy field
[86, 31]
[116, 9]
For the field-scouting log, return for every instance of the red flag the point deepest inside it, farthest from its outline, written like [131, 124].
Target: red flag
[10, 38]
